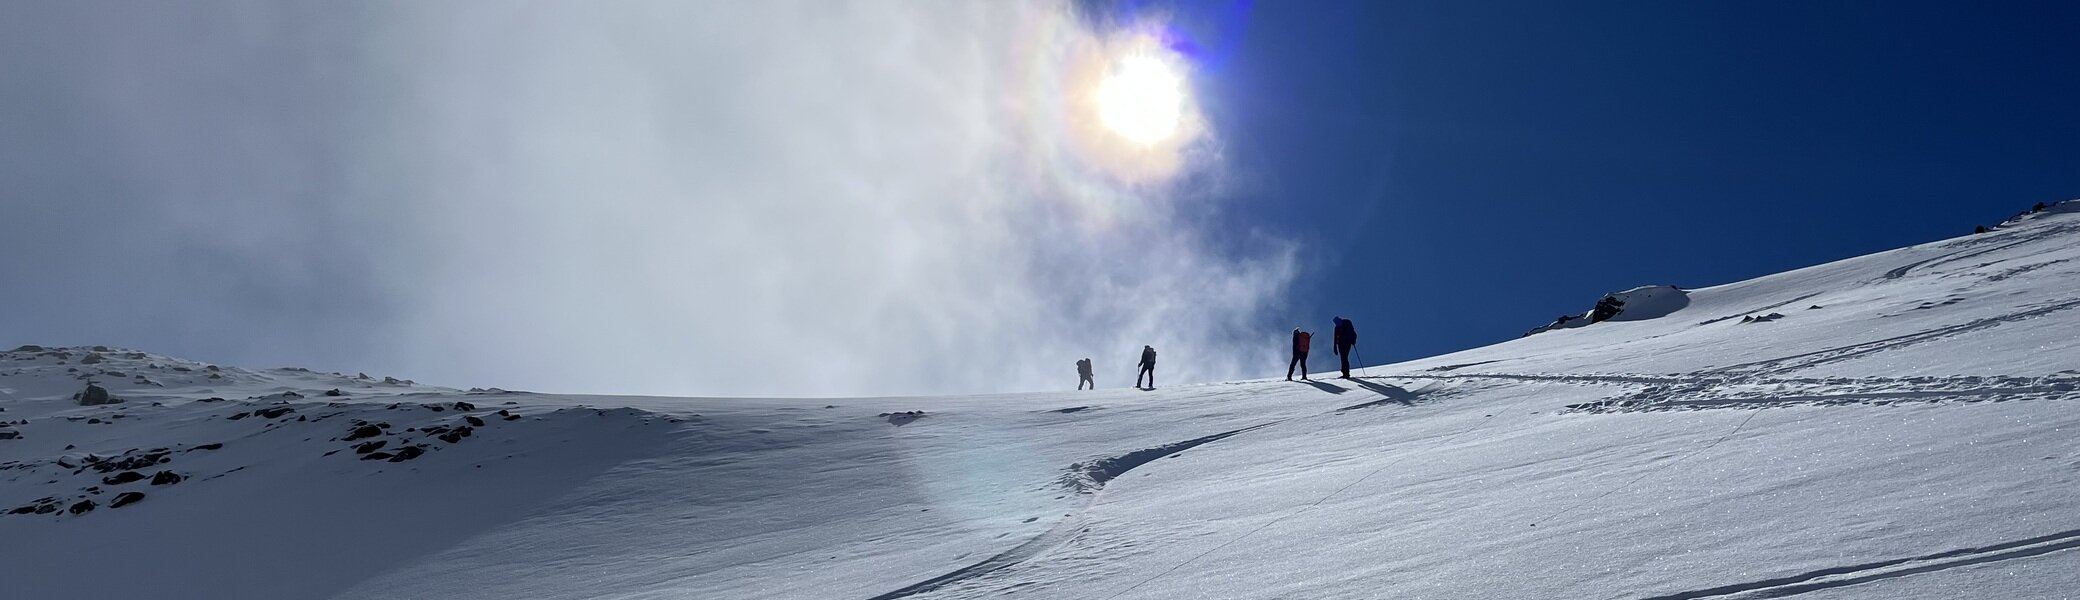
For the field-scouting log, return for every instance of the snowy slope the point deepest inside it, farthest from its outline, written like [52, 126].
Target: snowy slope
[1904, 427]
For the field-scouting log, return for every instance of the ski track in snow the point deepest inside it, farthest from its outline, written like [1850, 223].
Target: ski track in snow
[1842, 353]
[1778, 587]
[1084, 478]
[1694, 393]
[1090, 478]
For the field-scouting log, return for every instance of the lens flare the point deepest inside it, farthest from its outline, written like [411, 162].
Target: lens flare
[1143, 99]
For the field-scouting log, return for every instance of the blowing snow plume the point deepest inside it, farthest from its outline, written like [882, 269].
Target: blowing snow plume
[729, 198]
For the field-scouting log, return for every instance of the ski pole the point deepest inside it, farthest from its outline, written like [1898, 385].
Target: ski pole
[1361, 362]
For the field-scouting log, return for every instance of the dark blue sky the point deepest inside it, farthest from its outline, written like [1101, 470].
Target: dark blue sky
[1462, 171]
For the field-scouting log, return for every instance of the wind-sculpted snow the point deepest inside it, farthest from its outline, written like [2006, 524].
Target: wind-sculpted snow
[1828, 432]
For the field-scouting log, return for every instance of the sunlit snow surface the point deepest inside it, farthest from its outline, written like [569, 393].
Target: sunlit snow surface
[1910, 427]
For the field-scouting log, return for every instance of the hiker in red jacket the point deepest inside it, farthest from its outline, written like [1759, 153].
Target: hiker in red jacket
[1301, 342]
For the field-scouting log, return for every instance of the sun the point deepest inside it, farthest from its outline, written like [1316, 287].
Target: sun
[1143, 100]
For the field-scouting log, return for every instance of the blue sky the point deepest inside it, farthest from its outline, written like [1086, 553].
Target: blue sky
[1462, 171]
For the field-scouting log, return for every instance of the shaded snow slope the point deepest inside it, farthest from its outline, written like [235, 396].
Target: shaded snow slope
[1904, 427]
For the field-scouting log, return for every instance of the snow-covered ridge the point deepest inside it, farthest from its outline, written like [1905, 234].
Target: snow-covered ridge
[1893, 425]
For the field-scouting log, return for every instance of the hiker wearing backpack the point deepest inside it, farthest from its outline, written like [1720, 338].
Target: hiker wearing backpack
[1148, 367]
[1302, 341]
[1083, 372]
[1346, 338]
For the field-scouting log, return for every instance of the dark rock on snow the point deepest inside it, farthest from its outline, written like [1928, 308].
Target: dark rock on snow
[473, 420]
[122, 478]
[368, 447]
[166, 478]
[407, 453]
[125, 499]
[364, 431]
[94, 395]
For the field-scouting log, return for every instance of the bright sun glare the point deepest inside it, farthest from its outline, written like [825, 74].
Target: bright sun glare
[1143, 100]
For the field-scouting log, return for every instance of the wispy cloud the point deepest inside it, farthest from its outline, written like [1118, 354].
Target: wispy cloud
[737, 198]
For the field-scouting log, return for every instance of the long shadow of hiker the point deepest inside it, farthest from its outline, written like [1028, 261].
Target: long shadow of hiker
[1324, 386]
[1389, 395]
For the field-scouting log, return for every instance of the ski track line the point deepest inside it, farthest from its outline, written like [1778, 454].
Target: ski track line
[1090, 478]
[2022, 236]
[1303, 509]
[1864, 398]
[1085, 478]
[1911, 389]
[1890, 569]
[1840, 353]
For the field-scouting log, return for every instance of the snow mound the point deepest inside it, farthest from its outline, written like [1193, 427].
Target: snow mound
[1636, 304]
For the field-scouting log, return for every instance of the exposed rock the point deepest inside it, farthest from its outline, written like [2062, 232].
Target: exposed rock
[9, 434]
[82, 507]
[122, 478]
[239, 416]
[473, 420]
[208, 446]
[364, 431]
[407, 453]
[28, 348]
[455, 435]
[94, 395]
[125, 499]
[166, 478]
[465, 406]
[270, 413]
[377, 456]
[91, 358]
[367, 447]
[334, 392]
[900, 419]
[127, 462]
